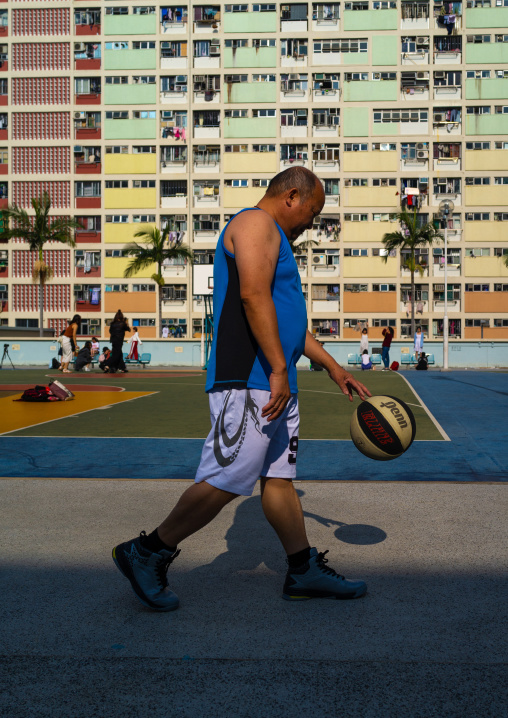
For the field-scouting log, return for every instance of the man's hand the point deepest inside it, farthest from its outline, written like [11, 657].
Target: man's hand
[348, 383]
[280, 394]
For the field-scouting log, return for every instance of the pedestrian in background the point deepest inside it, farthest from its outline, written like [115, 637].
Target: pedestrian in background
[84, 357]
[388, 336]
[117, 330]
[364, 341]
[134, 341]
[69, 343]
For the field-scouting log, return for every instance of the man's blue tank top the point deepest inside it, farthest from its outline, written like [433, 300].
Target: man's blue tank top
[235, 358]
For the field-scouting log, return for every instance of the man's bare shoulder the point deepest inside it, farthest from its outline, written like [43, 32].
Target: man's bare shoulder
[252, 220]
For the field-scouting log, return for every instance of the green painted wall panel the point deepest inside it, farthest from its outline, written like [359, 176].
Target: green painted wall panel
[130, 59]
[130, 94]
[130, 129]
[487, 17]
[363, 91]
[390, 129]
[486, 124]
[250, 57]
[385, 49]
[487, 53]
[250, 92]
[354, 58]
[247, 127]
[487, 89]
[130, 24]
[250, 22]
[370, 19]
[355, 122]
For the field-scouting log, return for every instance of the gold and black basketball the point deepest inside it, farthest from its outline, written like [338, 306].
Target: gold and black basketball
[383, 427]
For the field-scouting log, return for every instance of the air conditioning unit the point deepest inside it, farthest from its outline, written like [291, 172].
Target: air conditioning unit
[469, 38]
[319, 259]
[441, 180]
[421, 75]
[78, 148]
[78, 287]
[439, 75]
[180, 217]
[199, 78]
[94, 322]
[355, 217]
[201, 148]
[205, 217]
[423, 41]
[422, 154]
[294, 76]
[420, 145]
[438, 118]
[79, 47]
[79, 115]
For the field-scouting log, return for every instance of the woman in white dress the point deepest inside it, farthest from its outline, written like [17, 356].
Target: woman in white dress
[418, 342]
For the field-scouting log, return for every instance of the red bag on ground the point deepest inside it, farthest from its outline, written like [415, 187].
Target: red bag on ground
[394, 366]
[60, 391]
[38, 393]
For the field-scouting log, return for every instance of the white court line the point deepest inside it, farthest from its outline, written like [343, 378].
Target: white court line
[70, 416]
[429, 413]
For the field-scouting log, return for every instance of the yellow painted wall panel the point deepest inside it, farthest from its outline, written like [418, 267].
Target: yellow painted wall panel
[114, 267]
[132, 302]
[375, 161]
[122, 233]
[488, 333]
[486, 195]
[486, 231]
[360, 267]
[130, 164]
[130, 198]
[484, 267]
[486, 160]
[371, 197]
[250, 162]
[366, 231]
[242, 196]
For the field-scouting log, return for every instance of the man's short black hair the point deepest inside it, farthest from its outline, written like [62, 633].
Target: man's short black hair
[301, 178]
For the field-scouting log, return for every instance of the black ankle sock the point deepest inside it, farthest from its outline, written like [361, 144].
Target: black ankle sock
[297, 559]
[153, 543]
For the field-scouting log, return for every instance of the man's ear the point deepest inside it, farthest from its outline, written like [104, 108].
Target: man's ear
[292, 197]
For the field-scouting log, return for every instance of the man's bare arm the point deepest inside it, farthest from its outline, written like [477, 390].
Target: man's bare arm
[256, 244]
[347, 383]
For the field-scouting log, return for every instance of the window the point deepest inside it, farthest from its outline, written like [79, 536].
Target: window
[356, 288]
[500, 180]
[477, 216]
[477, 181]
[143, 287]
[477, 74]
[384, 76]
[377, 252]
[264, 8]
[501, 287]
[117, 149]
[116, 253]
[236, 183]
[383, 288]
[143, 149]
[264, 113]
[353, 252]
[265, 78]
[479, 287]
[477, 252]
[263, 148]
[260, 182]
[384, 146]
[356, 182]
[118, 80]
[143, 80]
[267, 42]
[174, 292]
[87, 189]
[356, 147]
[237, 8]
[233, 44]
[143, 218]
[150, 115]
[501, 216]
[478, 39]
[293, 48]
[236, 113]
[118, 115]
[478, 110]
[117, 218]
[116, 184]
[384, 182]
[203, 256]
[143, 45]
[478, 146]
[501, 322]
[341, 45]
[116, 288]
[477, 322]
[356, 217]
[326, 117]
[356, 76]
[500, 251]
[401, 115]
[236, 148]
[143, 183]
[384, 322]
[27, 323]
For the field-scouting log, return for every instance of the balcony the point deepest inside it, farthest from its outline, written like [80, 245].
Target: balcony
[415, 16]
[87, 168]
[174, 270]
[86, 236]
[453, 305]
[172, 162]
[85, 133]
[174, 59]
[448, 119]
[453, 25]
[326, 18]
[88, 98]
[438, 270]
[447, 92]
[447, 164]
[173, 21]
[447, 50]
[206, 160]
[80, 306]
[421, 307]
[87, 56]
[4, 168]
[294, 19]
[324, 165]
[177, 201]
[88, 272]
[92, 29]
[207, 19]
[415, 50]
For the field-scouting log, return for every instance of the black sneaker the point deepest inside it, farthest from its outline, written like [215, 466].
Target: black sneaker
[147, 571]
[314, 579]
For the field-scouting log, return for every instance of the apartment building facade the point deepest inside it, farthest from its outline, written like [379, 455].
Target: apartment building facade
[133, 115]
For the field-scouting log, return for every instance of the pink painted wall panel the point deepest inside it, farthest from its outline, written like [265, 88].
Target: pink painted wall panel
[41, 90]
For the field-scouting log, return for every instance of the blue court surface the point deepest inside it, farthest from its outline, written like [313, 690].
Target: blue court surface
[469, 406]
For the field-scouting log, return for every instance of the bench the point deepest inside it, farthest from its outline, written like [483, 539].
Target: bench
[356, 359]
[410, 359]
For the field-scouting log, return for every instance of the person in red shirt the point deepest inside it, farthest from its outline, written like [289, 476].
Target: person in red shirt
[388, 336]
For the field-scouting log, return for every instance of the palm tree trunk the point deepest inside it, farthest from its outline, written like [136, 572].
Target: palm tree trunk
[41, 298]
[159, 318]
[412, 298]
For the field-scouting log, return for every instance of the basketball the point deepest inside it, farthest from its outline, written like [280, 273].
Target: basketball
[383, 427]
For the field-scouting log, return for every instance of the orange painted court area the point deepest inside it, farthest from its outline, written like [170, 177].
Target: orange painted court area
[15, 415]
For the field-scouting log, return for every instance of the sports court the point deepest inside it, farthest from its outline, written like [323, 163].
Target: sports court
[159, 419]
[426, 531]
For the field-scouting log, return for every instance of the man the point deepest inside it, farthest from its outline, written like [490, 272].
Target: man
[165, 332]
[260, 332]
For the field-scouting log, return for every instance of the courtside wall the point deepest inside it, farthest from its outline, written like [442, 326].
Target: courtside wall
[175, 353]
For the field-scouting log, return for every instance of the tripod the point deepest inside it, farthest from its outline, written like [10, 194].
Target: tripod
[6, 356]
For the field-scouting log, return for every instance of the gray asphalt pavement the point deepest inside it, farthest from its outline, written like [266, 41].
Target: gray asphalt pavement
[429, 639]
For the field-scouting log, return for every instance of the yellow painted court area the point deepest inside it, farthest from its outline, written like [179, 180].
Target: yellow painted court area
[15, 415]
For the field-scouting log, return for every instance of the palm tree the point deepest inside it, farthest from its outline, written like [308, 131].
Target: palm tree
[37, 230]
[506, 260]
[155, 250]
[410, 239]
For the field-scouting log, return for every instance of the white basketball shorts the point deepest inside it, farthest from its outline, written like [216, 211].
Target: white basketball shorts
[242, 445]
